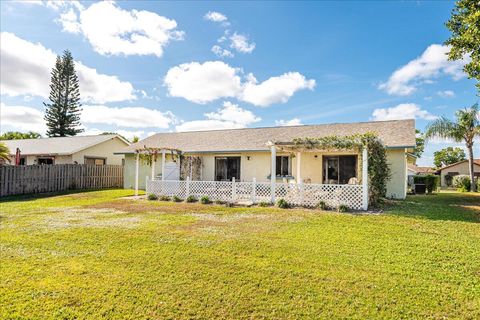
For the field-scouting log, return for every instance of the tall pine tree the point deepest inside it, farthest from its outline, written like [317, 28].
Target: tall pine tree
[63, 111]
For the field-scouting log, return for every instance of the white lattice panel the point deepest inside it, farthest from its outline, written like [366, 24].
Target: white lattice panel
[296, 194]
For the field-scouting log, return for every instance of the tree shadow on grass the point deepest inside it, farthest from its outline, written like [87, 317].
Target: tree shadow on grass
[449, 206]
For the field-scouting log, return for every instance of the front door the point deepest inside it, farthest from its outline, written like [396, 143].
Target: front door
[227, 168]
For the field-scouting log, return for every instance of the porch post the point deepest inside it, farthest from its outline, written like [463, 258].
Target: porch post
[273, 173]
[137, 160]
[163, 164]
[364, 179]
[299, 170]
[154, 159]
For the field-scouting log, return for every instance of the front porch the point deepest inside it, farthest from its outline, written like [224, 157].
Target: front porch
[340, 179]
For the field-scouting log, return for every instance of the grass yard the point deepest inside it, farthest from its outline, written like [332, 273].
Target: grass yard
[94, 255]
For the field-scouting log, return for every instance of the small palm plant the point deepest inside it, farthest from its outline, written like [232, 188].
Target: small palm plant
[4, 152]
[465, 129]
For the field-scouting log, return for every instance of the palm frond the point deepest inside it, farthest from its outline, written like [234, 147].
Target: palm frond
[443, 128]
[4, 152]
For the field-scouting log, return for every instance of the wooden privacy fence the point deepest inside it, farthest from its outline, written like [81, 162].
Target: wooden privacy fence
[58, 177]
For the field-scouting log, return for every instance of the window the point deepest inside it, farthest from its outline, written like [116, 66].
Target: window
[22, 161]
[339, 169]
[95, 161]
[46, 160]
[282, 166]
[453, 174]
[227, 168]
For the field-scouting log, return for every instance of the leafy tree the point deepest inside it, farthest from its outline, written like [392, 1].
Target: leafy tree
[135, 139]
[448, 156]
[465, 129]
[4, 152]
[420, 144]
[63, 111]
[465, 39]
[16, 135]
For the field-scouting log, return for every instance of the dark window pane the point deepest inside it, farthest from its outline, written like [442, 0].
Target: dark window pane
[285, 166]
[347, 168]
[278, 166]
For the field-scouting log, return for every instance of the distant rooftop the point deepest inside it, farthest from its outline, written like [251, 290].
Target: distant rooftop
[57, 146]
[394, 134]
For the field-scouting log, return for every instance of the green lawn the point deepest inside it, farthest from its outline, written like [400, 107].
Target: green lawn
[94, 255]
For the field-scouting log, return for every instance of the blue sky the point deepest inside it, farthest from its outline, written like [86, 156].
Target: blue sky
[148, 66]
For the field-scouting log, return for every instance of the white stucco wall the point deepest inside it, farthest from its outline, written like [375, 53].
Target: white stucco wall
[144, 171]
[102, 150]
[397, 185]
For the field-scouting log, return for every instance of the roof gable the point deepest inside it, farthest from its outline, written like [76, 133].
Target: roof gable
[58, 145]
[475, 162]
[395, 134]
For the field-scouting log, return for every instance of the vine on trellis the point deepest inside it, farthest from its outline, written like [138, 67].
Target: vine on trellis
[378, 168]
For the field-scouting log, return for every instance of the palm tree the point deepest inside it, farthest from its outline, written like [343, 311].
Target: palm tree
[4, 152]
[465, 129]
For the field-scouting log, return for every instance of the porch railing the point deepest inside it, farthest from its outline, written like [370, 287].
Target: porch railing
[297, 194]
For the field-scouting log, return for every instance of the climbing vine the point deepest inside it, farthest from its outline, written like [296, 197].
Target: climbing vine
[378, 168]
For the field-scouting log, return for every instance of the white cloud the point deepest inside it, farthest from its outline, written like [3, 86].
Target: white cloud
[26, 67]
[433, 63]
[446, 94]
[232, 112]
[69, 21]
[275, 89]
[230, 116]
[240, 43]
[286, 123]
[402, 111]
[130, 117]
[215, 16]
[212, 80]
[21, 118]
[222, 53]
[125, 32]
[202, 83]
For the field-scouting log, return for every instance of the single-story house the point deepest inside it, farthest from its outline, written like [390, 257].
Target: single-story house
[252, 154]
[98, 149]
[457, 168]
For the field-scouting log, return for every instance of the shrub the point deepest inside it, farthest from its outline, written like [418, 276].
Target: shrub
[229, 204]
[343, 208]
[205, 200]
[152, 196]
[282, 203]
[322, 205]
[164, 198]
[176, 199]
[219, 202]
[191, 199]
[462, 182]
[478, 184]
[264, 204]
[430, 181]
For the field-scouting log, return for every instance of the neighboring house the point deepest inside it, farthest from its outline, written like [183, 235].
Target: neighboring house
[97, 150]
[245, 154]
[455, 169]
[413, 170]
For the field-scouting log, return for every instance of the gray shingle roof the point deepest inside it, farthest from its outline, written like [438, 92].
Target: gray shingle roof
[395, 134]
[56, 146]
